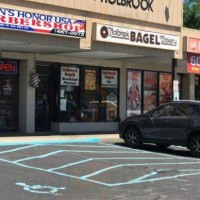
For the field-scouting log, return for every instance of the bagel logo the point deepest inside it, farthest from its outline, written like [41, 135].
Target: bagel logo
[104, 32]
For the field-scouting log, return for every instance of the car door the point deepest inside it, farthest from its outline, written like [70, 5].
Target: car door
[161, 119]
[181, 121]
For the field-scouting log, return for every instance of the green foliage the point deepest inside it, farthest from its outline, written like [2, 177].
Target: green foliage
[191, 14]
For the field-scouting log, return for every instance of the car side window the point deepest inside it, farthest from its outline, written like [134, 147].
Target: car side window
[188, 110]
[166, 110]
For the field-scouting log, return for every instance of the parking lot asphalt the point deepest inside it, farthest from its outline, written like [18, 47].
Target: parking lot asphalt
[97, 171]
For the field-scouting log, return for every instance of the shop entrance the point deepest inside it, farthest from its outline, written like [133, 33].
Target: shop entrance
[197, 87]
[42, 100]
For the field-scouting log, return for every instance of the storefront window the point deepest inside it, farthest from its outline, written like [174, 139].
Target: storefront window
[8, 95]
[133, 92]
[90, 95]
[109, 95]
[69, 94]
[150, 91]
[143, 91]
[165, 87]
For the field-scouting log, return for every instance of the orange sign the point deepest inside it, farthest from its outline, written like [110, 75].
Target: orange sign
[193, 63]
[193, 45]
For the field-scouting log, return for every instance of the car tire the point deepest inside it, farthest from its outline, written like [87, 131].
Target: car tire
[162, 146]
[132, 137]
[194, 146]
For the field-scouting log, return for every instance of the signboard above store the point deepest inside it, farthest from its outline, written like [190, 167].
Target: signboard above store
[41, 23]
[166, 12]
[193, 45]
[8, 67]
[145, 5]
[114, 34]
[193, 63]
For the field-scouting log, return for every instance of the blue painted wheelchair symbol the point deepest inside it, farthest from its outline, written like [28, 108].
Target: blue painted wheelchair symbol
[40, 189]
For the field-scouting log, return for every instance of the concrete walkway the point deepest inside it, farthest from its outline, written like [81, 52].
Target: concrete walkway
[59, 138]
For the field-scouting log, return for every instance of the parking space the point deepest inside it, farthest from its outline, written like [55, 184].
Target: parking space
[60, 169]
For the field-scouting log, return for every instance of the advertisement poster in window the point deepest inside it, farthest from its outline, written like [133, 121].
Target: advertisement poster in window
[134, 93]
[70, 76]
[109, 79]
[90, 79]
[150, 91]
[165, 87]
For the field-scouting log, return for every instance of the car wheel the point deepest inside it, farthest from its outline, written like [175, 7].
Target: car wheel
[194, 146]
[162, 146]
[132, 137]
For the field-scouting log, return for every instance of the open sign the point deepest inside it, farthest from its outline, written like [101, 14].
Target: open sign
[8, 68]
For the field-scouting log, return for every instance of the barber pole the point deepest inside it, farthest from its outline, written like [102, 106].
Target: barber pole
[35, 80]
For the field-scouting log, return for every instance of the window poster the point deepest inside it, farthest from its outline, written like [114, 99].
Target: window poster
[111, 107]
[109, 79]
[133, 93]
[70, 76]
[90, 79]
[165, 87]
[150, 91]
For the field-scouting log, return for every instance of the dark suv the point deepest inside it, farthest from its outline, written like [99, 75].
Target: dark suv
[176, 123]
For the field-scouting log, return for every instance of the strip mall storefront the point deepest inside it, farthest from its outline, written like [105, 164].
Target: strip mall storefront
[77, 73]
[189, 66]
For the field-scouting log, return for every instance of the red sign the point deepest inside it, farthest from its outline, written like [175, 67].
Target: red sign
[8, 68]
[40, 23]
[193, 63]
[193, 45]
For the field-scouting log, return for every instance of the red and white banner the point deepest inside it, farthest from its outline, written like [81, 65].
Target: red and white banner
[41, 23]
[193, 63]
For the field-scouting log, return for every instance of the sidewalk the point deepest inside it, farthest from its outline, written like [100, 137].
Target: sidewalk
[92, 138]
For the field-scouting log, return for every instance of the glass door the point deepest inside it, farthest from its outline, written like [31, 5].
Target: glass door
[42, 103]
[8, 102]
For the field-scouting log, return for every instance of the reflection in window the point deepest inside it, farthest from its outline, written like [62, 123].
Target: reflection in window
[164, 111]
[188, 110]
[68, 103]
[90, 95]
[165, 87]
[69, 94]
[109, 95]
[8, 102]
[150, 90]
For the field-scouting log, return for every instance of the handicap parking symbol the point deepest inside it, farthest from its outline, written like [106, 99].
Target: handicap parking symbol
[40, 189]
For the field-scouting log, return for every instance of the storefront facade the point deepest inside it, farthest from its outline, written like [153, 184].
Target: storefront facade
[189, 67]
[83, 66]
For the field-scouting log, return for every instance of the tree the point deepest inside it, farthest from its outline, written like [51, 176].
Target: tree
[191, 14]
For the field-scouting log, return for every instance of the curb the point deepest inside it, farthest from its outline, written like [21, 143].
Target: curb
[90, 140]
